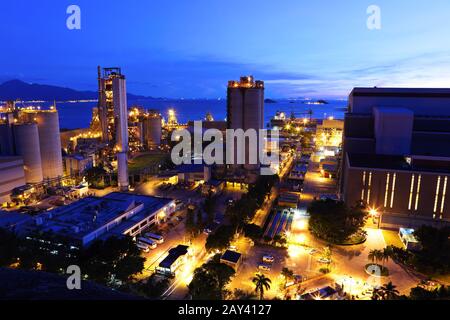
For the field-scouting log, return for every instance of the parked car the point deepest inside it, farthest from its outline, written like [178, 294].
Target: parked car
[268, 258]
[264, 267]
[324, 260]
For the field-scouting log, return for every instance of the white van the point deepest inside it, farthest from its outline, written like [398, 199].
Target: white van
[154, 237]
[150, 243]
[264, 267]
[143, 247]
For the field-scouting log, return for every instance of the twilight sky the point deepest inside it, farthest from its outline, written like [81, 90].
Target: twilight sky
[190, 48]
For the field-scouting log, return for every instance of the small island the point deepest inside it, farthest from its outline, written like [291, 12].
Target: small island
[269, 101]
[316, 102]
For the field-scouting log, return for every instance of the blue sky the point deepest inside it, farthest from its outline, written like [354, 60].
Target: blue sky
[182, 48]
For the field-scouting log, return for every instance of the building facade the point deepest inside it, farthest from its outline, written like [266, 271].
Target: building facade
[396, 155]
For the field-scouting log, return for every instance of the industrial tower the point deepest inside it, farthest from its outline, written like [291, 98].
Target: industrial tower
[113, 114]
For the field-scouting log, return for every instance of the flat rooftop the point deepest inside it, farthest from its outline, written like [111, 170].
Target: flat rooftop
[388, 162]
[401, 92]
[84, 216]
[231, 256]
[174, 254]
[10, 219]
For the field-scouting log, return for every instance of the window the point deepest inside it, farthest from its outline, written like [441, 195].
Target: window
[416, 205]
[368, 189]
[444, 192]
[411, 190]
[393, 190]
[436, 197]
[363, 185]
[387, 190]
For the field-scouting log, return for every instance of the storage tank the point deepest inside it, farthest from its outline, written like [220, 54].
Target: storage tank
[152, 130]
[49, 142]
[26, 139]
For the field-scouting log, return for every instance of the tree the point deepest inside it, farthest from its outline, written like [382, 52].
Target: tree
[94, 176]
[434, 255]
[209, 206]
[220, 239]
[375, 255]
[287, 274]
[280, 240]
[240, 294]
[262, 283]
[389, 291]
[253, 231]
[153, 288]
[190, 220]
[199, 223]
[333, 221]
[113, 258]
[210, 280]
[8, 247]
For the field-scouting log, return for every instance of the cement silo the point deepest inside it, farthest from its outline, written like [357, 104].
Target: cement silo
[245, 110]
[152, 129]
[26, 138]
[49, 142]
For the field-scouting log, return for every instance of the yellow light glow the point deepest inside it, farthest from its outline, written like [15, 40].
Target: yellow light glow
[294, 250]
[300, 238]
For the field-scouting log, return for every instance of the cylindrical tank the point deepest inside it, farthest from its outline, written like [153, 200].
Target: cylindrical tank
[152, 130]
[49, 142]
[26, 138]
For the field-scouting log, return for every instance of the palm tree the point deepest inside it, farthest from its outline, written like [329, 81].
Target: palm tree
[288, 274]
[389, 291]
[375, 255]
[261, 283]
[387, 252]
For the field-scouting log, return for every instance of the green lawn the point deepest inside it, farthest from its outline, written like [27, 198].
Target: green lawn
[146, 161]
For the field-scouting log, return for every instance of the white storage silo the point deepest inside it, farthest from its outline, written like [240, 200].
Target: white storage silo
[26, 139]
[49, 142]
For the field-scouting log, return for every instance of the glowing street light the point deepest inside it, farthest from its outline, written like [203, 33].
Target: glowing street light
[373, 212]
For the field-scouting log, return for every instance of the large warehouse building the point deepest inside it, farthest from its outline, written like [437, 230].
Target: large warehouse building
[396, 155]
[94, 218]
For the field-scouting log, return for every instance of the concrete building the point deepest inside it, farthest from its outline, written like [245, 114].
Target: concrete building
[92, 218]
[76, 164]
[113, 114]
[396, 155]
[12, 175]
[245, 110]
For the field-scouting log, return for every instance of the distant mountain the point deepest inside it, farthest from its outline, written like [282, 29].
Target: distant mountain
[17, 89]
